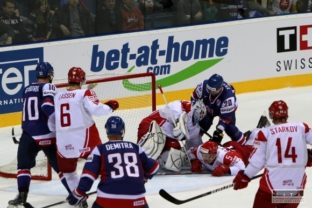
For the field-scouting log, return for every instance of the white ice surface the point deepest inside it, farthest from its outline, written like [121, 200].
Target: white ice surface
[251, 106]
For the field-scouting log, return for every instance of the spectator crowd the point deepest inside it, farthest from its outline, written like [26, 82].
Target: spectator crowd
[27, 21]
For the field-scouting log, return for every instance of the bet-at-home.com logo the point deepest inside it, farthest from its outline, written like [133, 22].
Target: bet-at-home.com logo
[17, 70]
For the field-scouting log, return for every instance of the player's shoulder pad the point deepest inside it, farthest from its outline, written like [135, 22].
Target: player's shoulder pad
[230, 157]
[48, 89]
[199, 90]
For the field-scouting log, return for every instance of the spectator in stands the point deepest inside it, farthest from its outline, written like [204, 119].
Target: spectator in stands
[210, 10]
[131, 16]
[150, 9]
[9, 15]
[189, 12]
[74, 20]
[5, 35]
[42, 18]
[280, 7]
[304, 6]
[107, 19]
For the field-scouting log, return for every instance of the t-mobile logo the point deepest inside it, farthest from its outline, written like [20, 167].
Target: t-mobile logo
[287, 38]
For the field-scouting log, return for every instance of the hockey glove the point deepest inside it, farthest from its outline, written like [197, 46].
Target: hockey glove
[309, 163]
[113, 104]
[221, 170]
[196, 166]
[241, 180]
[177, 132]
[76, 197]
[217, 136]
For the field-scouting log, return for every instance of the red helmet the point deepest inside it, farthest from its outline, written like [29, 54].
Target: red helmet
[278, 109]
[209, 147]
[76, 75]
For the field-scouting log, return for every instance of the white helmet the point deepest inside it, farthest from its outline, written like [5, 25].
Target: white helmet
[199, 111]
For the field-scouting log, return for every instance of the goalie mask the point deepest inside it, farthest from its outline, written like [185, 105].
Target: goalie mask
[199, 111]
[208, 151]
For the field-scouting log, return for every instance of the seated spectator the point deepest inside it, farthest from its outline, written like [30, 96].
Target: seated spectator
[42, 18]
[150, 8]
[210, 10]
[107, 19]
[304, 6]
[15, 23]
[5, 35]
[189, 12]
[74, 20]
[132, 18]
[280, 7]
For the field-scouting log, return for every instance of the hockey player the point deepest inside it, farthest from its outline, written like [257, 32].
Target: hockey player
[217, 159]
[160, 134]
[36, 136]
[124, 168]
[220, 100]
[76, 132]
[281, 151]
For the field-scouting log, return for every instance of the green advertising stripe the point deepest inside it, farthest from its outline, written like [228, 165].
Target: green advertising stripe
[182, 75]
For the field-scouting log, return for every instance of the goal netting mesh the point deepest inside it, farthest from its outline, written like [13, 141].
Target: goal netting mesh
[136, 96]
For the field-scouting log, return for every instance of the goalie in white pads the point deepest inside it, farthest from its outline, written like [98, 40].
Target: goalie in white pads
[162, 132]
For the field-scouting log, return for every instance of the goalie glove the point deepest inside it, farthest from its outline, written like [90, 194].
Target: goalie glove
[177, 132]
[113, 104]
[76, 197]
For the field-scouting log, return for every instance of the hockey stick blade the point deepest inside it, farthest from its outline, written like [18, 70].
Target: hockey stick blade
[174, 200]
[13, 136]
[64, 201]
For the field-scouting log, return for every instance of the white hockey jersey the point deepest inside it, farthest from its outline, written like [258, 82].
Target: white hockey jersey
[171, 113]
[282, 151]
[226, 157]
[73, 116]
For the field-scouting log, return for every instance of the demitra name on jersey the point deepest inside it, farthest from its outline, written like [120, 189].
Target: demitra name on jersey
[113, 146]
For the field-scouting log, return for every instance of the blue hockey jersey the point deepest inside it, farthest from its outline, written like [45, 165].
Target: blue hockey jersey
[223, 105]
[37, 107]
[124, 169]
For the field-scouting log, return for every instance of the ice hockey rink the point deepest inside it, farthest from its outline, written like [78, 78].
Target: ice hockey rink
[251, 106]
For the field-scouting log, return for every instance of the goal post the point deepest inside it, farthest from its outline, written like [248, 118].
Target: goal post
[136, 94]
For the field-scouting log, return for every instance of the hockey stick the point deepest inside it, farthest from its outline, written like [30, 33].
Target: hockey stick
[263, 121]
[65, 201]
[174, 200]
[13, 136]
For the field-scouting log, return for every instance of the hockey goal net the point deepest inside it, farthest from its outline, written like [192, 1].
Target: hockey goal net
[136, 94]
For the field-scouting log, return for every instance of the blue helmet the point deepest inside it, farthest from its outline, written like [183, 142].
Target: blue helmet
[44, 70]
[214, 83]
[115, 126]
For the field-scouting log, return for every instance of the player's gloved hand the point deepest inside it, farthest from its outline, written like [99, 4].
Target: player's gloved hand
[241, 180]
[113, 104]
[76, 197]
[221, 170]
[177, 132]
[217, 136]
[196, 166]
[309, 163]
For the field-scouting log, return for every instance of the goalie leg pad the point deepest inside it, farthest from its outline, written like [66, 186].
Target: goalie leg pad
[173, 159]
[153, 142]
